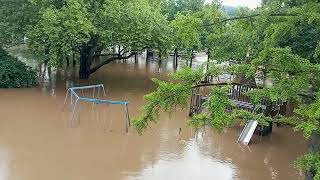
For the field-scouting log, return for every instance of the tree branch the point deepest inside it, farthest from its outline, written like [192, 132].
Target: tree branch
[110, 54]
[94, 69]
[249, 16]
[223, 84]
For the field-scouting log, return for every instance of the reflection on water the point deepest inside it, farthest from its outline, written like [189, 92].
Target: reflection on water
[191, 163]
[4, 164]
[36, 145]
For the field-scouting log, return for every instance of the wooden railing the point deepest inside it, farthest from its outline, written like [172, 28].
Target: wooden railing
[238, 93]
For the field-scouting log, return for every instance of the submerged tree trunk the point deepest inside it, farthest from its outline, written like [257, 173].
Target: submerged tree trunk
[73, 60]
[147, 56]
[208, 60]
[136, 58]
[175, 59]
[67, 60]
[84, 71]
[87, 52]
[191, 59]
[149, 53]
[86, 58]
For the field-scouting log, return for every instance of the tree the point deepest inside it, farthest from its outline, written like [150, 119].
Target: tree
[273, 42]
[87, 27]
[190, 31]
[187, 33]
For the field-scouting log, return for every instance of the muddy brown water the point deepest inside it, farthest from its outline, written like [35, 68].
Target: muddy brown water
[35, 143]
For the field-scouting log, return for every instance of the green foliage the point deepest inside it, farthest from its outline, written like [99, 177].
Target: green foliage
[14, 73]
[187, 32]
[173, 7]
[62, 30]
[246, 116]
[208, 16]
[246, 70]
[168, 96]
[308, 118]
[290, 74]
[311, 163]
[227, 44]
[277, 44]
[15, 17]
[143, 26]
[58, 28]
[176, 92]
[191, 28]
[187, 76]
[217, 117]
[236, 40]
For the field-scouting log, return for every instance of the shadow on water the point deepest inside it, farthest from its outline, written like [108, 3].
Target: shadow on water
[35, 143]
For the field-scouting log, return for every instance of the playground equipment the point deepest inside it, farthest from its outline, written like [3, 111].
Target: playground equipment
[247, 132]
[76, 98]
[238, 94]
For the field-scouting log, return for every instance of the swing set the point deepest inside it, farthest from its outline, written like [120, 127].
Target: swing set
[76, 98]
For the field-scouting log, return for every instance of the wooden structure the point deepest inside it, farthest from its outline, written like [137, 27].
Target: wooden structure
[238, 94]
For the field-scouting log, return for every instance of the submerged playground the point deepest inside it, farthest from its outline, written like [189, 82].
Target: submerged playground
[80, 129]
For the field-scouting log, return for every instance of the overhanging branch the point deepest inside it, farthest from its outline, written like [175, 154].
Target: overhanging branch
[110, 54]
[248, 17]
[94, 69]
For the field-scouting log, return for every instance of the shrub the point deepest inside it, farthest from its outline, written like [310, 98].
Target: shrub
[14, 73]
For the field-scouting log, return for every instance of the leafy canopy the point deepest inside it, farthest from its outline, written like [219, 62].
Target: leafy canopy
[14, 73]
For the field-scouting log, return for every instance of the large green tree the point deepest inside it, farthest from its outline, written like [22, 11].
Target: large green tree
[86, 27]
[191, 30]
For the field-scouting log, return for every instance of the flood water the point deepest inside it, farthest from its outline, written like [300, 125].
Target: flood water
[35, 143]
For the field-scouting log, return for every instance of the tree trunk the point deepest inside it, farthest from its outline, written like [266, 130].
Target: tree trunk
[85, 63]
[136, 58]
[60, 59]
[147, 56]
[208, 60]
[68, 63]
[87, 52]
[191, 59]
[50, 74]
[84, 71]
[159, 63]
[149, 53]
[73, 60]
[176, 55]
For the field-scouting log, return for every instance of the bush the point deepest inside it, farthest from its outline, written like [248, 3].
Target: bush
[14, 73]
